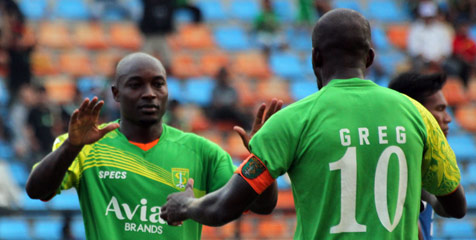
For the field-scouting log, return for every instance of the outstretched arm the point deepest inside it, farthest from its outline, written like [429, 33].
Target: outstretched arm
[47, 176]
[214, 209]
[451, 205]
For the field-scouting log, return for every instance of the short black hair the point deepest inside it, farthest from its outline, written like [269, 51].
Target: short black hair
[418, 86]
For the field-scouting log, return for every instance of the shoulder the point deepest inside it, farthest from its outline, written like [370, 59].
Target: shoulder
[187, 139]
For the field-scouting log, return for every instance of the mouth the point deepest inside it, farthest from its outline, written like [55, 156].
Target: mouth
[446, 130]
[149, 108]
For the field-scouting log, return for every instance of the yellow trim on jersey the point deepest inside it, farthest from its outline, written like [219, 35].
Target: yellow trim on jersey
[440, 172]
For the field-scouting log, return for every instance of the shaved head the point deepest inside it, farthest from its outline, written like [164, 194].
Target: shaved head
[132, 61]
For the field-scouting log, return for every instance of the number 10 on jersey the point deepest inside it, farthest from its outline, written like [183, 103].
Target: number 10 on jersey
[348, 168]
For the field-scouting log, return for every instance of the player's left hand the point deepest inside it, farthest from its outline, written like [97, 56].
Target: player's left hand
[260, 119]
[175, 209]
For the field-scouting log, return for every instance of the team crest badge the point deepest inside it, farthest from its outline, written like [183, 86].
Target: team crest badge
[180, 177]
[253, 168]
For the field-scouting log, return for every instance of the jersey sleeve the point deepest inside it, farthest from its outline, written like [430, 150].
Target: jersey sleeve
[71, 178]
[221, 167]
[440, 172]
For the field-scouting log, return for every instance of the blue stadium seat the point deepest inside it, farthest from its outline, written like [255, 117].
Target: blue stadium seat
[199, 90]
[72, 10]
[4, 93]
[471, 199]
[13, 228]
[379, 39]
[245, 10]
[232, 38]
[183, 16]
[299, 39]
[19, 173]
[302, 89]
[286, 65]
[354, 5]
[212, 10]
[175, 89]
[458, 228]
[32, 204]
[78, 229]
[33, 9]
[50, 228]
[463, 146]
[67, 200]
[390, 60]
[386, 11]
[283, 183]
[285, 10]
[472, 32]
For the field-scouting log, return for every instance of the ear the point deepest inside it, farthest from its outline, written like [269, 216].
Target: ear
[370, 57]
[115, 93]
[316, 59]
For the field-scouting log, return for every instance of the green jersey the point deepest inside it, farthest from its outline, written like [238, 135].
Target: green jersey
[357, 155]
[121, 187]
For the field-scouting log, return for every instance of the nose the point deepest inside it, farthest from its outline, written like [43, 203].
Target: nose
[447, 118]
[148, 92]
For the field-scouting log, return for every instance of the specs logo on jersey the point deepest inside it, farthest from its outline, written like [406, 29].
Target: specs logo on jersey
[180, 177]
[253, 168]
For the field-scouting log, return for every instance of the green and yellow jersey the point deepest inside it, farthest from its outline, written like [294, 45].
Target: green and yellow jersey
[121, 187]
[357, 155]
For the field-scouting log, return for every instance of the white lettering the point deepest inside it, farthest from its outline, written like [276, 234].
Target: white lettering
[344, 139]
[364, 136]
[382, 135]
[143, 210]
[401, 135]
[115, 208]
[129, 214]
[155, 217]
[124, 175]
[112, 174]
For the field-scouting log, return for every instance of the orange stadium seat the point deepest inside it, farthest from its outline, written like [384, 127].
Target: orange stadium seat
[60, 88]
[76, 63]
[212, 62]
[43, 63]
[54, 35]
[273, 228]
[105, 63]
[472, 90]
[228, 230]
[185, 66]
[272, 89]
[235, 146]
[195, 36]
[398, 35]
[125, 35]
[252, 64]
[285, 200]
[246, 92]
[213, 136]
[454, 91]
[90, 35]
[466, 117]
[209, 232]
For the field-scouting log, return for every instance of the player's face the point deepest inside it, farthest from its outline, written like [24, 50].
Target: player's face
[437, 105]
[142, 93]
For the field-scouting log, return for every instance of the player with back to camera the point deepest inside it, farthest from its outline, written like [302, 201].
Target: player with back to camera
[426, 89]
[124, 170]
[357, 154]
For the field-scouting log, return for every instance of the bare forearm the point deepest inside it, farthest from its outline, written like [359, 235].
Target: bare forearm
[433, 201]
[266, 202]
[454, 204]
[46, 178]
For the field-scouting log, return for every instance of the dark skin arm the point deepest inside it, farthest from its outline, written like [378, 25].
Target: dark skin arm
[83, 129]
[451, 205]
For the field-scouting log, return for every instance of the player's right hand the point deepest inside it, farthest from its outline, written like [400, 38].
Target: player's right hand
[83, 126]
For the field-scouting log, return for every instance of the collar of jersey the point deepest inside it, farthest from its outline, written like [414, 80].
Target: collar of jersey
[350, 82]
[162, 136]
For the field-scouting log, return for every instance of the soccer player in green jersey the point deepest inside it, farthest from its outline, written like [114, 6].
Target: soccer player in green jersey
[357, 154]
[124, 171]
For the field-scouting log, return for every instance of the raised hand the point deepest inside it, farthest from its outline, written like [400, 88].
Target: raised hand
[83, 126]
[260, 119]
[175, 210]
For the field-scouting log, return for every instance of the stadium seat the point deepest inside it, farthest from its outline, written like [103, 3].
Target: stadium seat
[386, 11]
[43, 63]
[90, 35]
[54, 35]
[19, 173]
[472, 90]
[273, 228]
[209, 232]
[244, 10]
[285, 10]
[464, 146]
[175, 89]
[34, 10]
[471, 199]
[67, 200]
[246, 92]
[299, 39]
[50, 228]
[211, 62]
[472, 32]
[195, 36]
[454, 92]
[194, 117]
[105, 63]
[199, 90]
[390, 61]
[60, 88]
[286, 65]
[212, 10]
[285, 200]
[213, 135]
[32, 204]
[228, 231]
[71, 10]
[231, 38]
[458, 229]
[14, 228]
[77, 227]
[379, 39]
[235, 146]
[183, 16]
[273, 88]
[76, 63]
[252, 64]
[398, 35]
[466, 117]
[125, 35]
[185, 66]
[354, 5]
[302, 89]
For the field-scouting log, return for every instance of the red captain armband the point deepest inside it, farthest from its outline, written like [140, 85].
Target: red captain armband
[255, 173]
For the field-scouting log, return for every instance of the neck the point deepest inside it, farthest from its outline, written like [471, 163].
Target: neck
[140, 133]
[328, 74]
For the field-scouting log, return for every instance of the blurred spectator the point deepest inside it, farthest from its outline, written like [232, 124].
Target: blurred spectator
[115, 8]
[309, 8]
[171, 117]
[429, 39]
[9, 191]
[19, 116]
[267, 28]
[322, 6]
[463, 60]
[40, 121]
[185, 4]
[18, 47]
[224, 108]
[462, 10]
